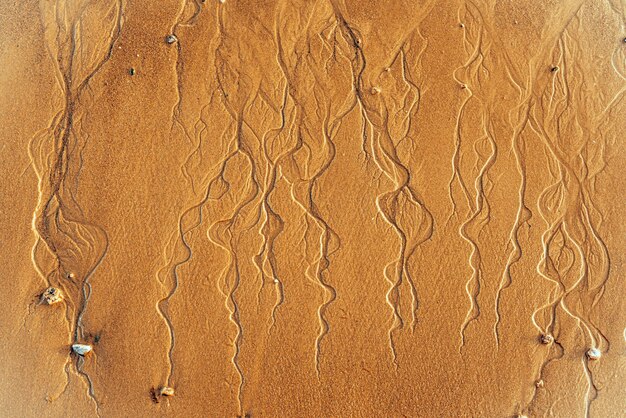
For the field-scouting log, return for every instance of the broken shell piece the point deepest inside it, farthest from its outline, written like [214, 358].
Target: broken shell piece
[51, 296]
[166, 391]
[81, 349]
[170, 39]
[594, 354]
[547, 339]
[539, 383]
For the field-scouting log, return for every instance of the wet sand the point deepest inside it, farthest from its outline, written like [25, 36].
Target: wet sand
[313, 208]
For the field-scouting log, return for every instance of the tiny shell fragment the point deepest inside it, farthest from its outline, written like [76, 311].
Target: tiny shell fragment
[51, 296]
[547, 339]
[594, 353]
[81, 349]
[166, 391]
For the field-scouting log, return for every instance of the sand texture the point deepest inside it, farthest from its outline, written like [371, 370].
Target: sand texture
[300, 208]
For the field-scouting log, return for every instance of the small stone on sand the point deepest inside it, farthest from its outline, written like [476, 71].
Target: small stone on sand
[166, 391]
[81, 349]
[51, 296]
[594, 354]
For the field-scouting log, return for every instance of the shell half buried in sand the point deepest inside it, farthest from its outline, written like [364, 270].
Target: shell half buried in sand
[81, 349]
[51, 296]
[166, 391]
[594, 353]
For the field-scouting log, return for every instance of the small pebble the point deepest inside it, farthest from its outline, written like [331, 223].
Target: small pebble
[463, 86]
[170, 39]
[594, 354]
[51, 296]
[461, 25]
[276, 281]
[81, 349]
[132, 71]
[375, 90]
[71, 276]
[554, 69]
[166, 391]
[547, 339]
[539, 383]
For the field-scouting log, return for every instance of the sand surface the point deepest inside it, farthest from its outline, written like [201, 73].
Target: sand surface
[313, 208]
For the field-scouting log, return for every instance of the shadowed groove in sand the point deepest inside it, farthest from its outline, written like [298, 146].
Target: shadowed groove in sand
[168, 275]
[575, 259]
[77, 245]
[473, 76]
[384, 142]
[319, 120]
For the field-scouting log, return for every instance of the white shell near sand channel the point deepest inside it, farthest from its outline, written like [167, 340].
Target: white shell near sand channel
[81, 349]
[51, 296]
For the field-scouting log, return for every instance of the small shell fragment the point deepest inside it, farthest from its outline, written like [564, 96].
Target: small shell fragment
[166, 391]
[170, 39]
[594, 354]
[547, 339]
[81, 349]
[51, 296]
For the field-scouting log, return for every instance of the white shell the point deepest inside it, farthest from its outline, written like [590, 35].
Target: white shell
[594, 353]
[547, 339]
[51, 296]
[81, 349]
[166, 391]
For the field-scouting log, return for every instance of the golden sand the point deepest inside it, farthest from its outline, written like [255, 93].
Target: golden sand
[313, 208]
